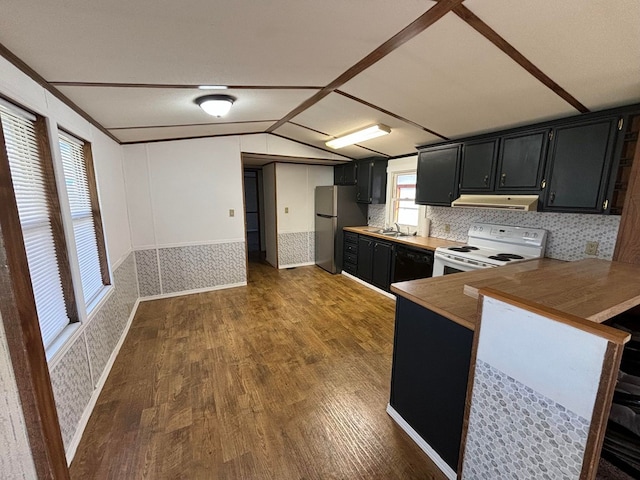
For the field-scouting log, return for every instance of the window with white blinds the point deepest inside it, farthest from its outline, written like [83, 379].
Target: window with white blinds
[32, 192]
[84, 227]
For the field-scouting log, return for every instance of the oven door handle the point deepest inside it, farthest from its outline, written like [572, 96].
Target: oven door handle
[447, 260]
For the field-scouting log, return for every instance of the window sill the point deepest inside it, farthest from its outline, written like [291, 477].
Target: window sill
[57, 349]
[100, 298]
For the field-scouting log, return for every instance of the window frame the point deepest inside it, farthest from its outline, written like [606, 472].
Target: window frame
[393, 204]
[96, 216]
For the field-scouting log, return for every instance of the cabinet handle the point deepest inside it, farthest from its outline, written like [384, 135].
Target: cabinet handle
[486, 180]
[552, 197]
[543, 184]
[503, 179]
[605, 204]
[450, 196]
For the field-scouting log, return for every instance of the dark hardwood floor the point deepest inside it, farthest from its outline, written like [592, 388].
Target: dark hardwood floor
[287, 378]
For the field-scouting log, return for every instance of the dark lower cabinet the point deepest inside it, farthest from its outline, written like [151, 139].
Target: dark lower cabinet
[580, 158]
[431, 358]
[365, 258]
[350, 253]
[437, 180]
[381, 269]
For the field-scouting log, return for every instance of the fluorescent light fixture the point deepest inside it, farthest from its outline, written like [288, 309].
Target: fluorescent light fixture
[213, 87]
[216, 105]
[359, 136]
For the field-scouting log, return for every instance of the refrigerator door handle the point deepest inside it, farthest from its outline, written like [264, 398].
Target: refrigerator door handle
[324, 216]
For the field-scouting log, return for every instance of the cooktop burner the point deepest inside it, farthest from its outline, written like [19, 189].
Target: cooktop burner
[506, 257]
[464, 248]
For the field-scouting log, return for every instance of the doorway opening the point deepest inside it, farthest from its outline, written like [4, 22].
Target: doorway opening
[254, 214]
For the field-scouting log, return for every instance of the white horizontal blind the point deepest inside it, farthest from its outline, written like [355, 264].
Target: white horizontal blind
[30, 186]
[75, 175]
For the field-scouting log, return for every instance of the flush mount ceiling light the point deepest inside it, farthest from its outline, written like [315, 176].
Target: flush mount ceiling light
[216, 105]
[359, 136]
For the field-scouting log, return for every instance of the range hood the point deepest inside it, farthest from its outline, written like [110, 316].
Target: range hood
[523, 203]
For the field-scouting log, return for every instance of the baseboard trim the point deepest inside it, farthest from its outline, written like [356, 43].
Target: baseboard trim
[424, 446]
[84, 419]
[191, 292]
[372, 287]
[293, 265]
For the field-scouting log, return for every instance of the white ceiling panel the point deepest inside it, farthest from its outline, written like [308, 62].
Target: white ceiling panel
[589, 47]
[138, 107]
[160, 133]
[316, 139]
[337, 115]
[243, 42]
[453, 81]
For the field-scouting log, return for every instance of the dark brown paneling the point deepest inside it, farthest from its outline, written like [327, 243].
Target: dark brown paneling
[183, 86]
[18, 310]
[191, 125]
[95, 211]
[6, 53]
[391, 114]
[486, 31]
[628, 243]
[427, 19]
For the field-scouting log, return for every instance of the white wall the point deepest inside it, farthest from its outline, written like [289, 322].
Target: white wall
[15, 461]
[270, 215]
[272, 145]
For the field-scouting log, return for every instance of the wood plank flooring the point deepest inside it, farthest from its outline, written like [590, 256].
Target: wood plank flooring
[287, 378]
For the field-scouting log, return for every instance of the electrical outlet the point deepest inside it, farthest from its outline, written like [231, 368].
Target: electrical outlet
[591, 248]
[447, 228]
[232, 212]
[286, 209]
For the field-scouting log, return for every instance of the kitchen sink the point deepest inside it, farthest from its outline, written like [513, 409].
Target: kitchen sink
[393, 234]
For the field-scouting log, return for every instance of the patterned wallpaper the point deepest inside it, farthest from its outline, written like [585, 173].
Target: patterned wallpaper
[549, 437]
[296, 248]
[377, 215]
[77, 373]
[191, 267]
[568, 232]
[15, 460]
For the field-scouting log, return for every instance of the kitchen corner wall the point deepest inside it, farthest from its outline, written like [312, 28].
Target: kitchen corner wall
[568, 232]
[187, 218]
[295, 205]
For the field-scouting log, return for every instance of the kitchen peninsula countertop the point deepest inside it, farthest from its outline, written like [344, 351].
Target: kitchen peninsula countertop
[426, 243]
[593, 289]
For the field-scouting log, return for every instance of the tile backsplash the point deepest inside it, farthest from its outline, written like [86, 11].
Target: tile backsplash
[376, 215]
[568, 232]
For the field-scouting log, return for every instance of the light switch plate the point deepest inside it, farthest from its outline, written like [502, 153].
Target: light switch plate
[286, 209]
[232, 212]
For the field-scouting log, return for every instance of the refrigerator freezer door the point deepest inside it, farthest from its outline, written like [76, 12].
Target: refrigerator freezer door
[325, 242]
[326, 201]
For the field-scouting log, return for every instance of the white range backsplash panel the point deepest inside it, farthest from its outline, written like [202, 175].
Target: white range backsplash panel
[568, 232]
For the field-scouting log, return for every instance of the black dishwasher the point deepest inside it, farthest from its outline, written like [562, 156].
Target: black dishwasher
[411, 263]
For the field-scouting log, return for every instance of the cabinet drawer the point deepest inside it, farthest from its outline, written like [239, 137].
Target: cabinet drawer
[350, 268]
[351, 258]
[350, 237]
[351, 248]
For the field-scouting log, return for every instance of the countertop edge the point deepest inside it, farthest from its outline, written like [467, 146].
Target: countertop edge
[423, 243]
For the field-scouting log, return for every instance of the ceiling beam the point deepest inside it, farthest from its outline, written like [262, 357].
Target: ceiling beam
[423, 22]
[209, 124]
[486, 31]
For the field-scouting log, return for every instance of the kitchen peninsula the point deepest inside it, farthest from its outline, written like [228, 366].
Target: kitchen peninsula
[435, 319]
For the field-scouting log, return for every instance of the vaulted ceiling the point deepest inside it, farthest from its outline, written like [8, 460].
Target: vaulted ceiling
[309, 71]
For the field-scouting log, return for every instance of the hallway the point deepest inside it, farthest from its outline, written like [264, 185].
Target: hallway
[287, 378]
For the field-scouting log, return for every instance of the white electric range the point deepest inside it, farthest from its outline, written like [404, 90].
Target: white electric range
[489, 246]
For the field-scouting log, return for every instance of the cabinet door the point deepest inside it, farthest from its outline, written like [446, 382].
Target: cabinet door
[365, 258]
[379, 182]
[478, 166]
[521, 162]
[338, 175]
[579, 166]
[365, 170]
[437, 176]
[381, 271]
[349, 173]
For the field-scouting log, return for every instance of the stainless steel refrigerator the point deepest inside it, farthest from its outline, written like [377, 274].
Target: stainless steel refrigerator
[336, 208]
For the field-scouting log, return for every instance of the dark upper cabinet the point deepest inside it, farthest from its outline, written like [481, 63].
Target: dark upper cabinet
[372, 180]
[580, 156]
[437, 180]
[478, 166]
[521, 162]
[345, 174]
[381, 269]
[365, 258]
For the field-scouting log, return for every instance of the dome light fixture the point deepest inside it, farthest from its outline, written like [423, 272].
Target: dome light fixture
[216, 105]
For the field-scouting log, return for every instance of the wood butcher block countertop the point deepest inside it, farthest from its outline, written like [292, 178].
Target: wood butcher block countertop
[593, 289]
[426, 243]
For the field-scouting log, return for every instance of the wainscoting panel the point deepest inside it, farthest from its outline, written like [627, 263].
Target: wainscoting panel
[296, 248]
[148, 274]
